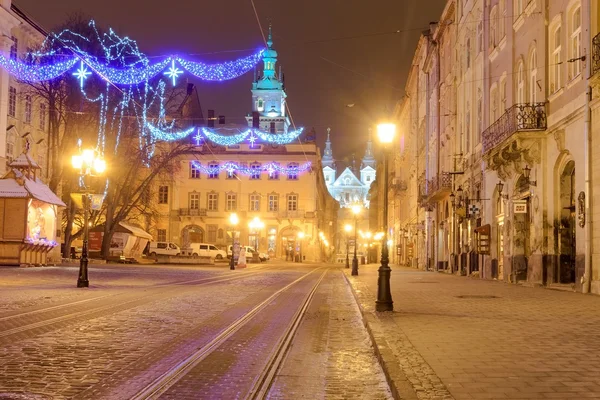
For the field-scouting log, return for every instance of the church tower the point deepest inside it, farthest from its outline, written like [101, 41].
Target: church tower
[328, 162]
[367, 168]
[268, 95]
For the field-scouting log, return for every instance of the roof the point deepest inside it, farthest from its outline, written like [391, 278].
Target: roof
[11, 188]
[24, 161]
[125, 228]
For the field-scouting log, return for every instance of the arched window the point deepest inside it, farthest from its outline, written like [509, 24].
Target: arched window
[502, 20]
[494, 106]
[521, 83]
[575, 41]
[493, 27]
[533, 77]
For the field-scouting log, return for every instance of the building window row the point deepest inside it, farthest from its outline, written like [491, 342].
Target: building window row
[256, 171]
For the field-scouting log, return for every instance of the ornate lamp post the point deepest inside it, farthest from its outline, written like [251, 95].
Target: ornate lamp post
[233, 221]
[300, 239]
[356, 208]
[384, 301]
[89, 163]
[348, 229]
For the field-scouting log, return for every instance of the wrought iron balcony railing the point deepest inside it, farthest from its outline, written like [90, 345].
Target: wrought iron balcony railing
[439, 185]
[596, 54]
[192, 212]
[518, 118]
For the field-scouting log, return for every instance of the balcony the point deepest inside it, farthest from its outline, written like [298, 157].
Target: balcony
[192, 212]
[519, 118]
[438, 186]
[596, 54]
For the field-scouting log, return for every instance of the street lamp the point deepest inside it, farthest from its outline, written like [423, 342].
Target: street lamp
[89, 163]
[233, 221]
[356, 208]
[256, 225]
[300, 239]
[348, 229]
[368, 235]
[384, 301]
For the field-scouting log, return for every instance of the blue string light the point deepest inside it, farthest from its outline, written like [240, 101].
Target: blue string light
[221, 72]
[173, 72]
[33, 73]
[270, 168]
[82, 74]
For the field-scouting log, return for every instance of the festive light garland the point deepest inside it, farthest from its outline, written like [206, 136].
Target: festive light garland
[130, 75]
[269, 168]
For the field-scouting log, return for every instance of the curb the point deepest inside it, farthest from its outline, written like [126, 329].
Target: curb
[399, 385]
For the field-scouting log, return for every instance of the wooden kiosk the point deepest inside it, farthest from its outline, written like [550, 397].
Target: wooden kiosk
[28, 215]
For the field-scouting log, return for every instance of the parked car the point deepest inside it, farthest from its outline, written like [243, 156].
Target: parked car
[163, 249]
[249, 251]
[207, 250]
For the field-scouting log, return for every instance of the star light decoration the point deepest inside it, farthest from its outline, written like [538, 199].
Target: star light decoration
[82, 74]
[293, 169]
[173, 72]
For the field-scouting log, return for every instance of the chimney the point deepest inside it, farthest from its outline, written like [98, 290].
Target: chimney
[211, 118]
[221, 120]
[255, 120]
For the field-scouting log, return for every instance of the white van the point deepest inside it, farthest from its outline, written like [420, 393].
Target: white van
[207, 250]
[163, 249]
[249, 252]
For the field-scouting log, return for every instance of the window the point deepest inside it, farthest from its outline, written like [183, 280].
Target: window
[161, 235]
[468, 128]
[272, 127]
[575, 43]
[10, 146]
[231, 204]
[327, 178]
[163, 195]
[480, 37]
[212, 202]
[255, 170]
[260, 105]
[479, 115]
[273, 171]
[368, 178]
[494, 106]
[220, 234]
[533, 77]
[194, 170]
[493, 27]
[213, 170]
[273, 202]
[503, 94]
[12, 101]
[502, 20]
[468, 55]
[293, 171]
[292, 202]
[14, 48]
[231, 173]
[555, 58]
[212, 233]
[347, 197]
[194, 201]
[28, 108]
[255, 202]
[43, 116]
[347, 181]
[521, 83]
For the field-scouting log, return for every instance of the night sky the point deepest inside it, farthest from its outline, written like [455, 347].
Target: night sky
[325, 70]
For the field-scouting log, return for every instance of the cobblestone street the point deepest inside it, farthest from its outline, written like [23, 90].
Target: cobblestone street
[456, 337]
[135, 323]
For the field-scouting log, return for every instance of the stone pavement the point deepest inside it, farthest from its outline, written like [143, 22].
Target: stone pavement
[453, 337]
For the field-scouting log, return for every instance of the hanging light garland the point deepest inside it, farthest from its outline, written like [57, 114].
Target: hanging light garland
[270, 168]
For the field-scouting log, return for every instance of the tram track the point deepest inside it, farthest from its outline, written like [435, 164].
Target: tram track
[191, 367]
[46, 318]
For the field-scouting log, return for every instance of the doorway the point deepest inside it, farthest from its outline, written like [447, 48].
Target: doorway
[566, 242]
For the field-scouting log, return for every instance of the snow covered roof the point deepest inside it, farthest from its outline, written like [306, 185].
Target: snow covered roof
[24, 161]
[12, 188]
[136, 231]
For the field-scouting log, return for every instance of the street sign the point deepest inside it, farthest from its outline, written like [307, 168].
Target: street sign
[520, 207]
[483, 239]
[473, 210]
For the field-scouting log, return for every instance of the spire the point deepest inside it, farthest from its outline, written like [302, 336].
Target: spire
[270, 38]
[327, 159]
[368, 160]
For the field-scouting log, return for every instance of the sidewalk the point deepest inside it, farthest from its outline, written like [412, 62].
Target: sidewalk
[453, 337]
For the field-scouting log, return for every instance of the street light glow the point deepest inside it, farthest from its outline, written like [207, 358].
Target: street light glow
[348, 228]
[386, 132]
[233, 219]
[356, 208]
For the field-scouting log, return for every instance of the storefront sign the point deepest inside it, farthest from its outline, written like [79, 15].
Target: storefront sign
[483, 239]
[520, 207]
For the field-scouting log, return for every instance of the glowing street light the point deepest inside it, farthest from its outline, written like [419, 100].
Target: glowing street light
[88, 163]
[233, 221]
[356, 209]
[384, 301]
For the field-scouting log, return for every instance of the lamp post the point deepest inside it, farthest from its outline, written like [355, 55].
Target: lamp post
[89, 163]
[256, 225]
[355, 210]
[384, 301]
[300, 239]
[347, 228]
[233, 221]
[368, 236]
